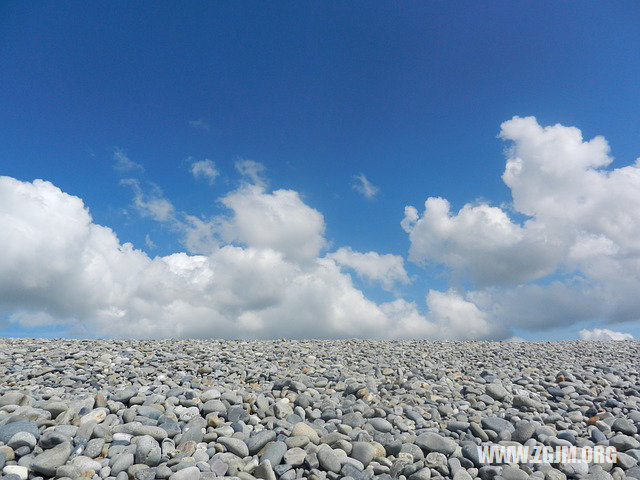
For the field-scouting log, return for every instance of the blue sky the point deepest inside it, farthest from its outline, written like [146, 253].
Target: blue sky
[411, 96]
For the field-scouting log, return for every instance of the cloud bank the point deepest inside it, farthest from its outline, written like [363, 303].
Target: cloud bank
[575, 257]
[264, 279]
[604, 334]
[262, 268]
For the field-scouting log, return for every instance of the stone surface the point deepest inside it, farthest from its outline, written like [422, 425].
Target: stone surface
[321, 410]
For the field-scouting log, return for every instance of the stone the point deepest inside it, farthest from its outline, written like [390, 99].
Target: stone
[328, 459]
[235, 446]
[256, 442]
[22, 439]
[264, 471]
[274, 452]
[8, 430]
[48, 461]
[381, 424]
[188, 473]
[303, 430]
[432, 442]
[295, 456]
[623, 442]
[19, 470]
[363, 452]
[496, 391]
[422, 474]
[121, 463]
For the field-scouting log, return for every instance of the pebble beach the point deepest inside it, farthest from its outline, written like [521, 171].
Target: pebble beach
[317, 410]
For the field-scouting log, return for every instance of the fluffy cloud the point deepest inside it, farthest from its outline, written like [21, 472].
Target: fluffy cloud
[365, 187]
[604, 334]
[205, 169]
[278, 220]
[386, 269]
[61, 268]
[580, 239]
[449, 316]
[479, 240]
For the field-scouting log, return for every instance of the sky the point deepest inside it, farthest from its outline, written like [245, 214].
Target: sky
[436, 170]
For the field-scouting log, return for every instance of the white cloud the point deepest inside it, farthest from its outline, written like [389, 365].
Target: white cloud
[205, 169]
[253, 170]
[123, 162]
[152, 204]
[479, 240]
[149, 242]
[581, 236]
[604, 334]
[200, 124]
[365, 187]
[60, 267]
[387, 269]
[449, 316]
[279, 220]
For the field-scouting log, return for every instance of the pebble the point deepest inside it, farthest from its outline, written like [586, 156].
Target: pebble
[319, 410]
[48, 461]
[433, 442]
[20, 471]
[235, 446]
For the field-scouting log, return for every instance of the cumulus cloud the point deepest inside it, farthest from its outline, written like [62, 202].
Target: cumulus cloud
[449, 316]
[365, 187]
[479, 240]
[123, 162]
[575, 257]
[205, 169]
[278, 220]
[59, 267]
[386, 269]
[604, 334]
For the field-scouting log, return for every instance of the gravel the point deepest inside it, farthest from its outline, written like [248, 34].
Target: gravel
[318, 410]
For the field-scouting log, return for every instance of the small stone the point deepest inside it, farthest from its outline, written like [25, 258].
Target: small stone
[363, 452]
[623, 442]
[432, 442]
[259, 440]
[188, 473]
[422, 474]
[328, 459]
[121, 463]
[274, 452]
[497, 424]
[295, 456]
[304, 430]
[8, 430]
[22, 439]
[235, 446]
[48, 461]
[496, 391]
[19, 470]
[523, 432]
[623, 425]
[264, 471]
[381, 424]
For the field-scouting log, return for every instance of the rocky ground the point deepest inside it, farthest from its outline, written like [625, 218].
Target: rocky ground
[311, 409]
